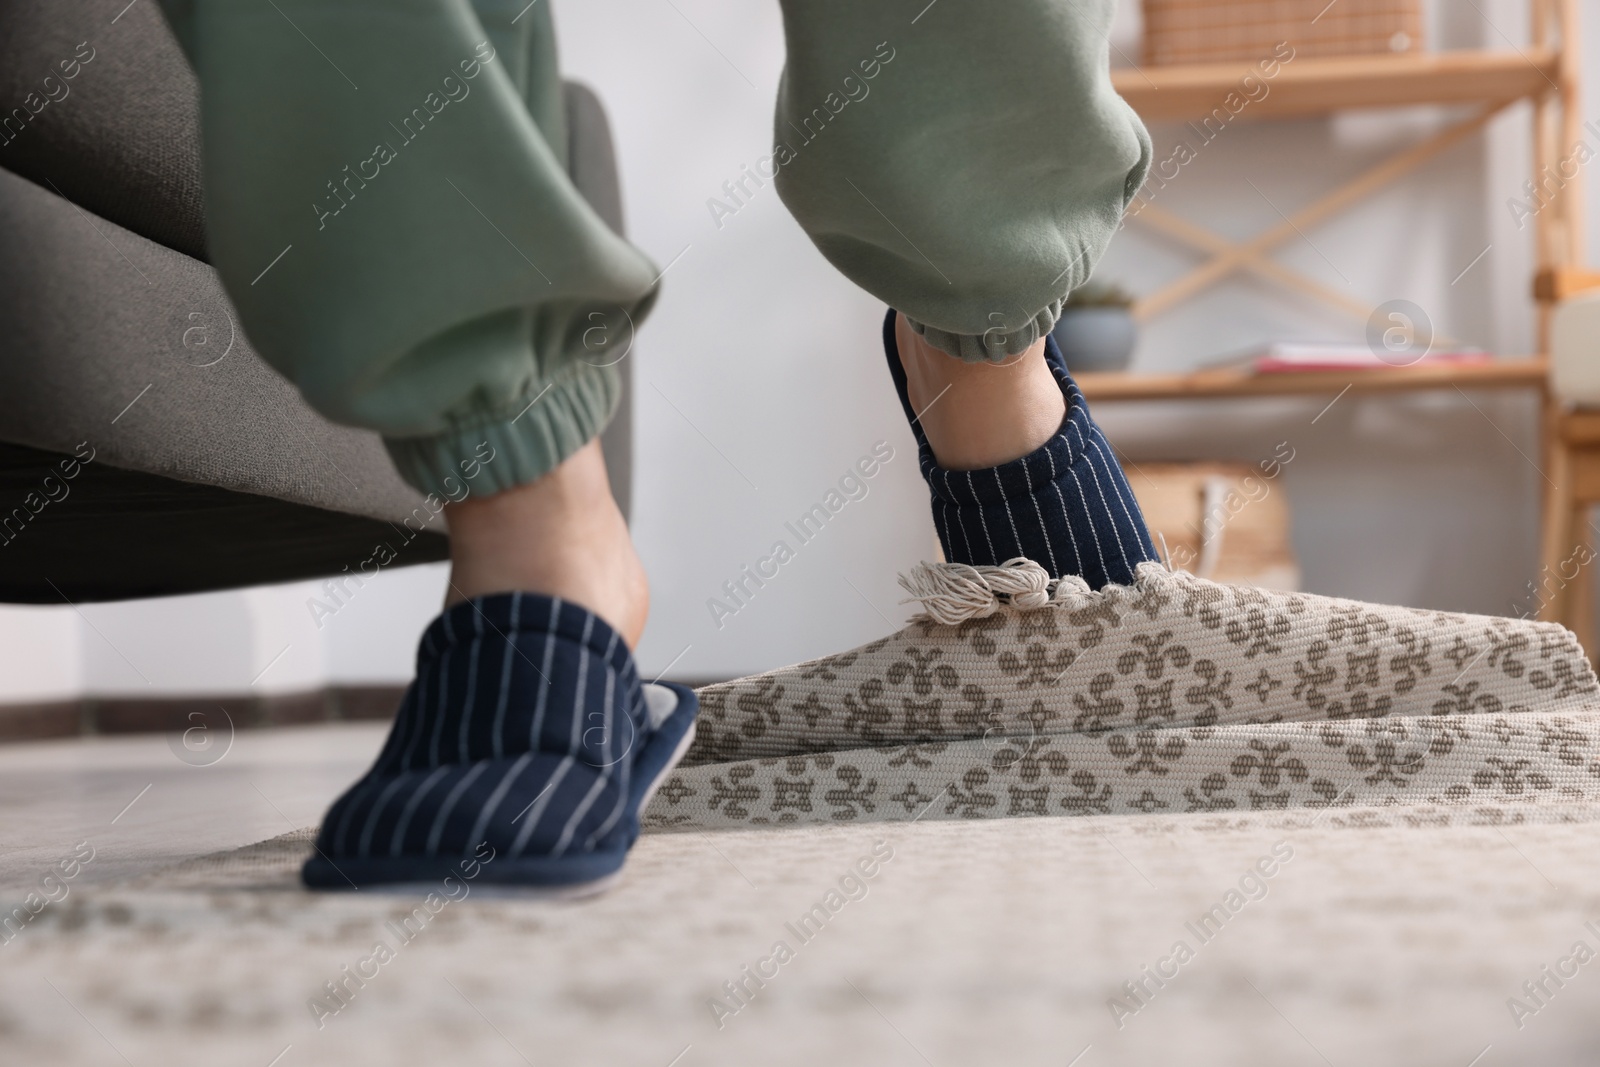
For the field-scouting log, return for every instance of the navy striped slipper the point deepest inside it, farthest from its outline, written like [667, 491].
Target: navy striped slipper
[526, 746]
[1067, 505]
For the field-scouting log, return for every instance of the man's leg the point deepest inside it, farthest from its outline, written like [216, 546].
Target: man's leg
[967, 163]
[439, 276]
[978, 415]
[560, 535]
[390, 211]
[1014, 462]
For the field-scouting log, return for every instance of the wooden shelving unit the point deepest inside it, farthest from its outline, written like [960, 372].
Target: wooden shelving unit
[1482, 82]
[1485, 81]
[1524, 373]
[1318, 86]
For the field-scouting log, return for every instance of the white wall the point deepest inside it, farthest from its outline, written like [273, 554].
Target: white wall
[264, 640]
[763, 348]
[761, 380]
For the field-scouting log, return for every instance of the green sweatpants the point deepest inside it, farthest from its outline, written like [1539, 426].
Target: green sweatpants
[388, 205]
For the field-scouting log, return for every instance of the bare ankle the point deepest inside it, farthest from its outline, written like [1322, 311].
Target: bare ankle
[979, 415]
[561, 535]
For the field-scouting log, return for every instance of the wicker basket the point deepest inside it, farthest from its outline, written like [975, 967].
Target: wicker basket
[1223, 521]
[1210, 31]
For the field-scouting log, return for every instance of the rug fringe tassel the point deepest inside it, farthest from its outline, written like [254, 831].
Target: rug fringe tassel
[952, 593]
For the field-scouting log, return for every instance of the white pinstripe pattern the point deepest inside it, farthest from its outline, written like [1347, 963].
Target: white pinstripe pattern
[1093, 532]
[505, 676]
[611, 688]
[441, 712]
[1106, 504]
[1012, 519]
[611, 648]
[537, 812]
[577, 733]
[578, 813]
[410, 809]
[1054, 568]
[393, 748]
[365, 847]
[449, 804]
[349, 812]
[544, 691]
[583, 683]
[1114, 475]
[994, 557]
[392, 744]
[419, 690]
[1066, 518]
[472, 684]
[948, 527]
[1082, 446]
[489, 806]
[626, 774]
[414, 704]
[1118, 480]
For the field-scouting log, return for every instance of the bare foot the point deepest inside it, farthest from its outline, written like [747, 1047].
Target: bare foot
[561, 535]
[979, 415]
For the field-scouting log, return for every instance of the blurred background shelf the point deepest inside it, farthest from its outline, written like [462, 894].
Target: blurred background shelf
[1181, 82]
[1315, 86]
[1525, 373]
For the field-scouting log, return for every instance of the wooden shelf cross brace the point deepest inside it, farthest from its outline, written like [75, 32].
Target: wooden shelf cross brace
[1231, 256]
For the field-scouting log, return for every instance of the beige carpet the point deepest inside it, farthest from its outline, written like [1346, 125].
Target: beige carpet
[1385, 938]
[949, 848]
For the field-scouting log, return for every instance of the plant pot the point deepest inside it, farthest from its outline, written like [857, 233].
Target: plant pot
[1096, 338]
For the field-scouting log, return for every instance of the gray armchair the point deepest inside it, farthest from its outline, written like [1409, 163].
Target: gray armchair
[144, 448]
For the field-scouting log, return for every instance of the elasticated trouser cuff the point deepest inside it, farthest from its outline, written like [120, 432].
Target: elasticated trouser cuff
[492, 457]
[992, 346]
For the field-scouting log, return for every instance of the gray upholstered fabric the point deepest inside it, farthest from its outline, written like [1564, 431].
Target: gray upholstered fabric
[97, 318]
[591, 157]
[592, 162]
[122, 136]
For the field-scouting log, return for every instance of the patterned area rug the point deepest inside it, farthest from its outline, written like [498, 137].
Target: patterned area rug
[1173, 695]
[1264, 829]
